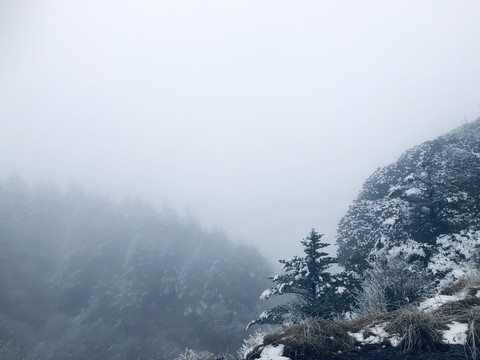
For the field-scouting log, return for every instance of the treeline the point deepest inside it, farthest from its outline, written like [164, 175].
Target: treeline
[83, 277]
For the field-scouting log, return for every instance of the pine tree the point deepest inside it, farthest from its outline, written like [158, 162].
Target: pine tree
[316, 292]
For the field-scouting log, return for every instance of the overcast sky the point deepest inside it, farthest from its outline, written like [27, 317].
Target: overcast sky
[262, 117]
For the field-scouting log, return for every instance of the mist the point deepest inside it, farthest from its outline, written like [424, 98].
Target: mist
[263, 118]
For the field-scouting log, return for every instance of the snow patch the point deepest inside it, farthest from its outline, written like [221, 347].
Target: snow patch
[271, 352]
[341, 290]
[377, 335]
[390, 221]
[413, 192]
[266, 294]
[456, 334]
[439, 300]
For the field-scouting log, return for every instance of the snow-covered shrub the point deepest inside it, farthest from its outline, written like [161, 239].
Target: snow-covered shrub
[255, 339]
[390, 284]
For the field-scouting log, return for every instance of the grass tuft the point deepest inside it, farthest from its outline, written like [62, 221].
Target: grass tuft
[419, 330]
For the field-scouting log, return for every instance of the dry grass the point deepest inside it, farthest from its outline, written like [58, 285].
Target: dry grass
[469, 285]
[320, 338]
[312, 338]
[473, 332]
[455, 288]
[419, 330]
[466, 311]
[457, 310]
[317, 337]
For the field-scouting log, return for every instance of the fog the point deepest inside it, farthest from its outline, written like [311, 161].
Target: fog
[260, 117]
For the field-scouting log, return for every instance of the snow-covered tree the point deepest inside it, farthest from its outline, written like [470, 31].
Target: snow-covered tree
[314, 291]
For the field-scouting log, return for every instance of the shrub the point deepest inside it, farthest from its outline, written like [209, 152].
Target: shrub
[391, 284]
[254, 341]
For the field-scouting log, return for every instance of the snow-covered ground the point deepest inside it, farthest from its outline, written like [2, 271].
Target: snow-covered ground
[377, 335]
[455, 334]
[271, 352]
[439, 300]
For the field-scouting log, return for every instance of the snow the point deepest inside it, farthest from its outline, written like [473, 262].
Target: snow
[254, 340]
[263, 315]
[455, 255]
[390, 221]
[439, 300]
[395, 341]
[271, 352]
[413, 192]
[378, 335]
[456, 333]
[393, 189]
[409, 248]
[266, 294]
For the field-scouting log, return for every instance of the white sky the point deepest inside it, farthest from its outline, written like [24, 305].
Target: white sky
[262, 117]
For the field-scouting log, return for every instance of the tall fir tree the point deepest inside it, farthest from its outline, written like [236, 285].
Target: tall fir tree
[314, 291]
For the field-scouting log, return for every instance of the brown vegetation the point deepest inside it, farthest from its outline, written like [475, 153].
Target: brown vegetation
[416, 330]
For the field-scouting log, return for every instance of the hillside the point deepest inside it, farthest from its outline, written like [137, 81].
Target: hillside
[424, 208]
[411, 241]
[83, 277]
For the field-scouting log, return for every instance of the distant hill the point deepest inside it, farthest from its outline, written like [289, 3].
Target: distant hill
[425, 207]
[82, 277]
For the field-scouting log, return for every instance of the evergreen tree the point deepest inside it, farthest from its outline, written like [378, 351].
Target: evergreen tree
[316, 292]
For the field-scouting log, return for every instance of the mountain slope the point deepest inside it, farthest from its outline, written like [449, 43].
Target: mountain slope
[424, 207]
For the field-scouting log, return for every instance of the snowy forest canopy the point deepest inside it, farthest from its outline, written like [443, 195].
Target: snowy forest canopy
[82, 277]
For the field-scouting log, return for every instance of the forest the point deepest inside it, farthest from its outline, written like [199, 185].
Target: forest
[83, 277]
